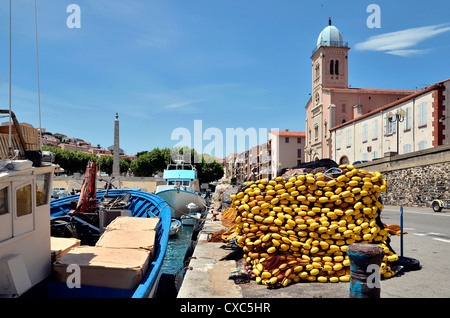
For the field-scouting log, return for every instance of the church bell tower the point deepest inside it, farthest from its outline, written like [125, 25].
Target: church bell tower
[329, 62]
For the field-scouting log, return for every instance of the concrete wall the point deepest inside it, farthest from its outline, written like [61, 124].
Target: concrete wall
[146, 184]
[414, 179]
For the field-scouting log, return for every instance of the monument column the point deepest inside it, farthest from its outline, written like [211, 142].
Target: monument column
[116, 162]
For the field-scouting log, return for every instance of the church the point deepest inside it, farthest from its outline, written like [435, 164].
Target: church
[332, 101]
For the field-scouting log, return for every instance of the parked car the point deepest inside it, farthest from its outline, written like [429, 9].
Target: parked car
[359, 161]
[59, 193]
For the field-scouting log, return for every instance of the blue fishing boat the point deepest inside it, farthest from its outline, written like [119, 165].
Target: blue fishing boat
[182, 190]
[126, 202]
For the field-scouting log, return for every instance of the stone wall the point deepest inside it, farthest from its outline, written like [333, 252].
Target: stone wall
[415, 179]
[418, 186]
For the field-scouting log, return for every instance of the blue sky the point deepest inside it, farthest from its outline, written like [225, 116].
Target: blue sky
[161, 64]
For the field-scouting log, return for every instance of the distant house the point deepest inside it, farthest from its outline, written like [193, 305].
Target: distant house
[59, 136]
[121, 151]
[287, 149]
[72, 146]
[99, 151]
[49, 140]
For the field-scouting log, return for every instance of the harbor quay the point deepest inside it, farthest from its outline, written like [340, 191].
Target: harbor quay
[216, 271]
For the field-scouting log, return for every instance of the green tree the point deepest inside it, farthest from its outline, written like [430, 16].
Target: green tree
[105, 164]
[209, 170]
[125, 164]
[149, 163]
[71, 161]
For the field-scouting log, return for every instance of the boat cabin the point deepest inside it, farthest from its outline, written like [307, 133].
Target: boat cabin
[181, 176]
[25, 249]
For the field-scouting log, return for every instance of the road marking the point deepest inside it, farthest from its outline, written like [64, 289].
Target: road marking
[405, 210]
[433, 236]
[440, 239]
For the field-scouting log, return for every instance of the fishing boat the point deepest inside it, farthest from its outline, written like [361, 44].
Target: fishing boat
[181, 190]
[36, 234]
[141, 245]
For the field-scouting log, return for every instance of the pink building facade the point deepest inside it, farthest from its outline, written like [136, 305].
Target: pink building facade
[332, 101]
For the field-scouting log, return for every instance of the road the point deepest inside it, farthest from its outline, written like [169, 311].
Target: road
[428, 240]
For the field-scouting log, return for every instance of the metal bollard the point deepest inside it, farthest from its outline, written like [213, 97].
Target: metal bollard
[365, 261]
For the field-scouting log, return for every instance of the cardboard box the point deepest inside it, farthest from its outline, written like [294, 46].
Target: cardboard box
[60, 246]
[104, 267]
[134, 224]
[128, 239]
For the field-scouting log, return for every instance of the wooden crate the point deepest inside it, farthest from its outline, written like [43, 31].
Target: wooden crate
[4, 146]
[30, 136]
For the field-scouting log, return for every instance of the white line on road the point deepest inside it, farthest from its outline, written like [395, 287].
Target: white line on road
[405, 210]
[440, 239]
[433, 234]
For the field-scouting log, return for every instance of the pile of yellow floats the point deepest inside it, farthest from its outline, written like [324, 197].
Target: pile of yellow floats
[298, 229]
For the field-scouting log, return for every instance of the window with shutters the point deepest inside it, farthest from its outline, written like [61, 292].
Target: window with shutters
[422, 145]
[407, 148]
[389, 127]
[364, 133]
[375, 129]
[407, 120]
[422, 115]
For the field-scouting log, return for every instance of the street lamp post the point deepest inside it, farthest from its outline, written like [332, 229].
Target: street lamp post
[397, 117]
[311, 152]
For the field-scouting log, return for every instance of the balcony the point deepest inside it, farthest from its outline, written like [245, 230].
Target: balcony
[330, 44]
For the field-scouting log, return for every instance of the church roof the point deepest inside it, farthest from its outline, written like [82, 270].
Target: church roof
[330, 36]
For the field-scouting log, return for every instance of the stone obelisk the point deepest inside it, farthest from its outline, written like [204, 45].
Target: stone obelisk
[116, 162]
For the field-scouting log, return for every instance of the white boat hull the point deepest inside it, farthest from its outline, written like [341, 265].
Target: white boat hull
[191, 219]
[179, 199]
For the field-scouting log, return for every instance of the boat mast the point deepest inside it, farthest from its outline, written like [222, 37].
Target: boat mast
[38, 77]
[10, 76]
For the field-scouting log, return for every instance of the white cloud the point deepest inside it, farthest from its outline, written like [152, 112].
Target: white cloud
[184, 106]
[400, 42]
[408, 52]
